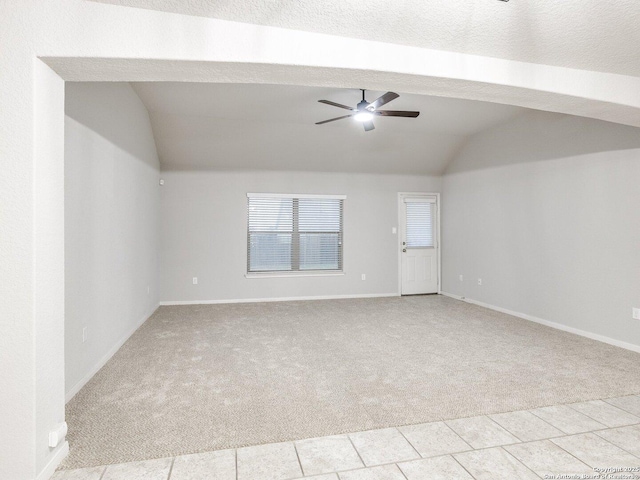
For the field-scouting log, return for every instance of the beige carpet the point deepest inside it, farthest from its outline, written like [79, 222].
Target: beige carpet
[197, 378]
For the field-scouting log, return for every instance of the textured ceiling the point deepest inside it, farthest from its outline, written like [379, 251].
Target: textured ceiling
[585, 34]
[272, 127]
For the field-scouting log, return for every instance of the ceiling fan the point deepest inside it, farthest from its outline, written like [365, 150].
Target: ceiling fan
[365, 111]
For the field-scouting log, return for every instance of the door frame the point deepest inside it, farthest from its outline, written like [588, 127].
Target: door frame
[401, 197]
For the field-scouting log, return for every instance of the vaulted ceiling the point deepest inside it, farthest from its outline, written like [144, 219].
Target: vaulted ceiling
[231, 126]
[584, 34]
[272, 127]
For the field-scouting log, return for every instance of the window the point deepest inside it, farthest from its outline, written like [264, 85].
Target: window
[294, 233]
[419, 223]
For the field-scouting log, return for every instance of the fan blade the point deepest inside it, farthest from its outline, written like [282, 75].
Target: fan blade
[339, 105]
[368, 126]
[396, 113]
[386, 98]
[334, 119]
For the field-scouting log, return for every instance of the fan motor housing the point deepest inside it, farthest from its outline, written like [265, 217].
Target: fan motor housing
[363, 105]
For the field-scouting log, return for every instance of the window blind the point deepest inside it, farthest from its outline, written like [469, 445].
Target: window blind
[419, 224]
[294, 233]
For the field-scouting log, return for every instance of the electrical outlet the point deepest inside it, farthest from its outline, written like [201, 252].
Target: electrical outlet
[195, 280]
[461, 278]
[84, 334]
[394, 230]
[364, 277]
[636, 313]
[479, 281]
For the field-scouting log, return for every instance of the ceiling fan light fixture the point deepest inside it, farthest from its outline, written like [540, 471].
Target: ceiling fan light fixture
[365, 111]
[363, 117]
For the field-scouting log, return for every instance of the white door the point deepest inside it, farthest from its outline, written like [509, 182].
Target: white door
[419, 244]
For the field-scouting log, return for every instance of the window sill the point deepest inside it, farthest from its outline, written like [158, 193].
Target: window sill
[293, 274]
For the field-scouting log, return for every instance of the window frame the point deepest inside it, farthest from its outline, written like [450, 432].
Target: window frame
[295, 237]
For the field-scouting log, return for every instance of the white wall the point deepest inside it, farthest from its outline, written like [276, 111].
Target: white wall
[112, 200]
[204, 233]
[47, 271]
[546, 210]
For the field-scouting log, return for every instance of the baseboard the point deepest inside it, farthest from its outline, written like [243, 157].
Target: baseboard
[48, 471]
[278, 299]
[101, 363]
[548, 323]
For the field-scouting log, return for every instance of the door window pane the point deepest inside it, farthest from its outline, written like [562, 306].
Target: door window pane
[419, 225]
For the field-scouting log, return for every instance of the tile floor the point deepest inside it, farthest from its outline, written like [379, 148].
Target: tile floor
[541, 443]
